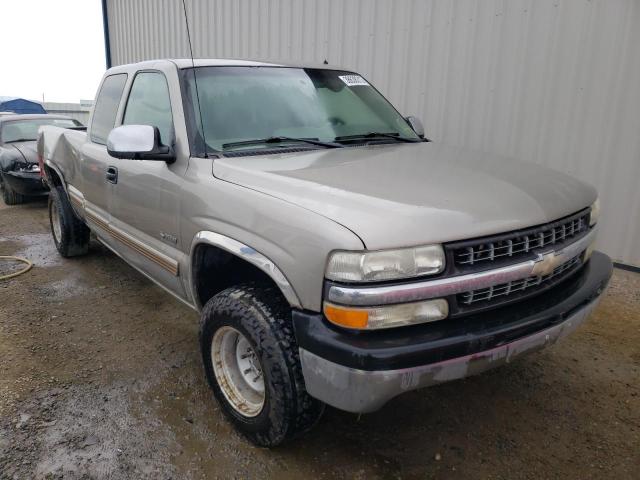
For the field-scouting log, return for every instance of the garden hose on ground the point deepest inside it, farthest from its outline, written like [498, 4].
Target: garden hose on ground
[20, 272]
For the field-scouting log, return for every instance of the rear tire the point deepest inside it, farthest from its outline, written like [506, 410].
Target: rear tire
[70, 234]
[256, 319]
[9, 195]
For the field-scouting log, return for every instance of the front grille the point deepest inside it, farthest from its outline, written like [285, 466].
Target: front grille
[487, 252]
[500, 293]
[496, 251]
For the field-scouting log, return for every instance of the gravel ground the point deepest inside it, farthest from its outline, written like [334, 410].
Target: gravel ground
[100, 377]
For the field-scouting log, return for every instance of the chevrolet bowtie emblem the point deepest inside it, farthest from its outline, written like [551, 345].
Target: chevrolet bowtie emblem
[546, 263]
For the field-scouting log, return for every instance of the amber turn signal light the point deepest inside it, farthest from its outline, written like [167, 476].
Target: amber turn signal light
[346, 317]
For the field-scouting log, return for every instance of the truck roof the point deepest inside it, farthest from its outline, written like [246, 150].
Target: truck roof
[214, 62]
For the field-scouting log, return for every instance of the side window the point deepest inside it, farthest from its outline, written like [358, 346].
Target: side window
[149, 104]
[104, 113]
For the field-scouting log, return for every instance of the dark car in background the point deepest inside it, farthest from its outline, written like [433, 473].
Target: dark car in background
[20, 175]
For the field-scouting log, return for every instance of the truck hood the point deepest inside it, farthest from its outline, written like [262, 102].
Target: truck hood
[411, 194]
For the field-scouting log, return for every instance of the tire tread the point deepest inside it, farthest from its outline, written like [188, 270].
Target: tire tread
[256, 300]
[10, 196]
[75, 234]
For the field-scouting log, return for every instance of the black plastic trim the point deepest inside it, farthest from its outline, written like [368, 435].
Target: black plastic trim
[628, 268]
[270, 151]
[430, 343]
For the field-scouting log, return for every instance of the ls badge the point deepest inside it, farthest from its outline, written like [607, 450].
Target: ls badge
[167, 237]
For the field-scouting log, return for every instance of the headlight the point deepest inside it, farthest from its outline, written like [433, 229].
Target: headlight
[595, 213]
[388, 316]
[35, 168]
[385, 264]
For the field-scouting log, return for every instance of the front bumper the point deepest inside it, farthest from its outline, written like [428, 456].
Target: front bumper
[361, 371]
[26, 183]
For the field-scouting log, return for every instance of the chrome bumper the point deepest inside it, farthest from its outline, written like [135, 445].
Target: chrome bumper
[363, 391]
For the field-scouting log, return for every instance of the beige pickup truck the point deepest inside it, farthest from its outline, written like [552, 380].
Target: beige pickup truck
[336, 256]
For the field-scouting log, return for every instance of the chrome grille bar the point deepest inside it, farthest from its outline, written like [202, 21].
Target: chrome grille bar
[487, 294]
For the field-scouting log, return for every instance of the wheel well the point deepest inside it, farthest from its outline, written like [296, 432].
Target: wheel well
[215, 269]
[52, 177]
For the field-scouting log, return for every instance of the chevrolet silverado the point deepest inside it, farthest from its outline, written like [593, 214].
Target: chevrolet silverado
[335, 255]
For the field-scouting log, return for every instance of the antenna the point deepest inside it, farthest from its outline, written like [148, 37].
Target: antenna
[195, 79]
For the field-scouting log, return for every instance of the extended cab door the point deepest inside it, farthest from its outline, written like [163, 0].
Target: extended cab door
[145, 205]
[94, 165]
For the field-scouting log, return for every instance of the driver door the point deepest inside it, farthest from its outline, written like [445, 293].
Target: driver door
[145, 205]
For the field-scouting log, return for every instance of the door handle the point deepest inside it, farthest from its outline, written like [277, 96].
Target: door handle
[112, 175]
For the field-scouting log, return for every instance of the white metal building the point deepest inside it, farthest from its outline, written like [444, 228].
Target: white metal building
[79, 111]
[555, 82]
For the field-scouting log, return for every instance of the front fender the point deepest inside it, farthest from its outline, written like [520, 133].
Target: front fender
[250, 255]
[295, 240]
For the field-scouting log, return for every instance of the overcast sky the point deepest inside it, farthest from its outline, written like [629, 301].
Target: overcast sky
[51, 47]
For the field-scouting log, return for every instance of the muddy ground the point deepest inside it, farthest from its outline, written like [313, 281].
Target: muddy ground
[100, 378]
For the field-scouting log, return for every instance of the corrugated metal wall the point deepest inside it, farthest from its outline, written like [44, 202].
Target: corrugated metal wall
[555, 82]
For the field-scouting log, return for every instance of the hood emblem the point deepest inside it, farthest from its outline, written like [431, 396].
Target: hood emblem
[546, 263]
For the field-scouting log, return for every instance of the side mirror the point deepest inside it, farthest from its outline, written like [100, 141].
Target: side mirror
[138, 142]
[416, 124]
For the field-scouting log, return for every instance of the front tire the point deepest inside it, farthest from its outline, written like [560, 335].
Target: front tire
[9, 195]
[252, 364]
[70, 234]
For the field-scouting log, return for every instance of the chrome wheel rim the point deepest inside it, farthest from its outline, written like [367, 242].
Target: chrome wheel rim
[56, 226]
[238, 371]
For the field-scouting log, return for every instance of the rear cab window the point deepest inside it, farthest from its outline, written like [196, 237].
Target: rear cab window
[104, 113]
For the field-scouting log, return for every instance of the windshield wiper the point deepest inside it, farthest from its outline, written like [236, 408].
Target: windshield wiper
[392, 135]
[21, 140]
[258, 141]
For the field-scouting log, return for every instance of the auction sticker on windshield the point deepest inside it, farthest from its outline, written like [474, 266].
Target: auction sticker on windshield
[353, 80]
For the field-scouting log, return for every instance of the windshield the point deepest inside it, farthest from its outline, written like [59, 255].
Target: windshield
[26, 130]
[239, 104]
